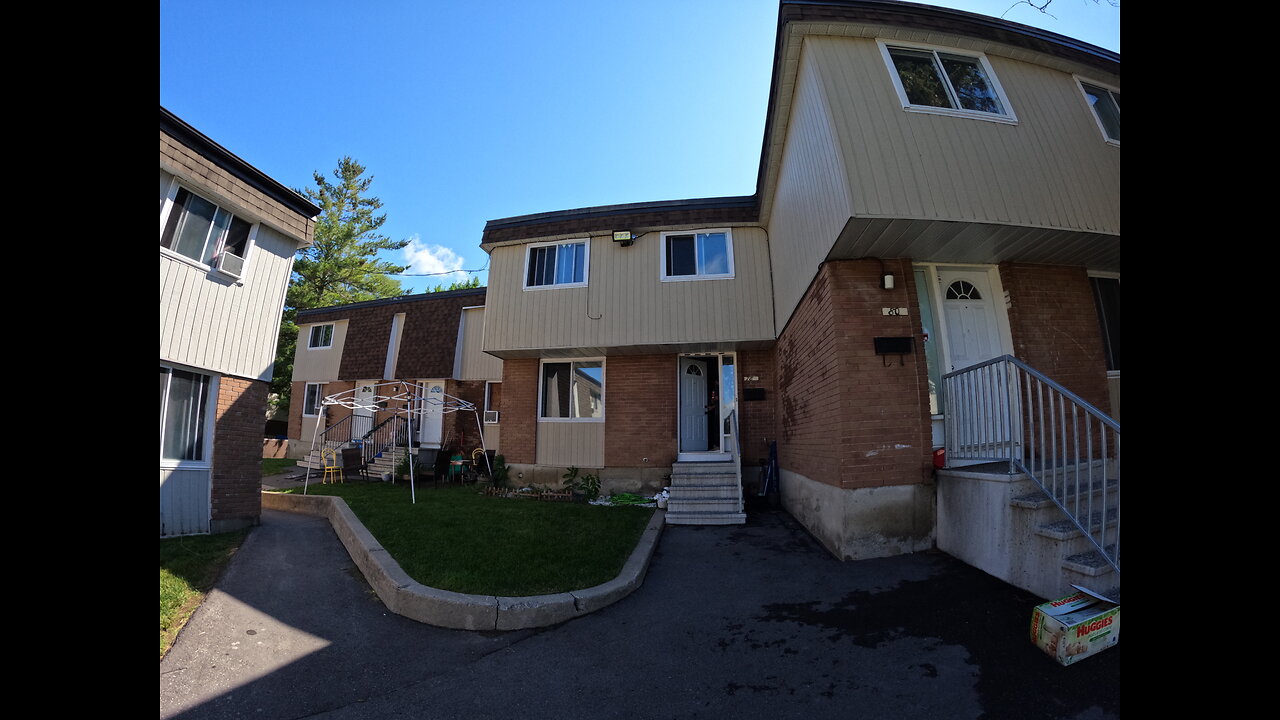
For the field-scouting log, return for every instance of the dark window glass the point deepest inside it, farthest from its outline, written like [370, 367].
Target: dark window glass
[1106, 295]
[682, 255]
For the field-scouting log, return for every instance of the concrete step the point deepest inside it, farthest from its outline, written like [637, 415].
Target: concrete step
[705, 492]
[681, 517]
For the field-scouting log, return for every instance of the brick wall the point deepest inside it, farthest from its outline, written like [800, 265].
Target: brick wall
[428, 341]
[1054, 323]
[460, 427]
[848, 417]
[520, 409]
[236, 495]
[640, 411]
[757, 418]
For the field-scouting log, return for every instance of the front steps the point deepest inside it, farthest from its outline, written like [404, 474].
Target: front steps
[385, 463]
[1006, 526]
[705, 493]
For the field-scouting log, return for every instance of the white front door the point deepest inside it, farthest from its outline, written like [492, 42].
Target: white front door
[693, 405]
[431, 413]
[362, 415]
[971, 316]
[969, 311]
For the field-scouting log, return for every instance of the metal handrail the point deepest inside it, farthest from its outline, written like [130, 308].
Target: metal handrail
[1003, 410]
[736, 451]
[385, 434]
[337, 434]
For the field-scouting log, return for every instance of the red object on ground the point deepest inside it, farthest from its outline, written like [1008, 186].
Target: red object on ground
[940, 458]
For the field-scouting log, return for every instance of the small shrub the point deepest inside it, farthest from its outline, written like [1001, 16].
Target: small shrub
[501, 472]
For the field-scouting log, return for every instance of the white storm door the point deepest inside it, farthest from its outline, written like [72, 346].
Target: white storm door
[431, 413]
[362, 414]
[693, 405]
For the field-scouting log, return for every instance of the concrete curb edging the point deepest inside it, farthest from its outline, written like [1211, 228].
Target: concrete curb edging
[405, 596]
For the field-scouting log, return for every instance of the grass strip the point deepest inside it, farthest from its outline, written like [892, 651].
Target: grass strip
[189, 566]
[457, 539]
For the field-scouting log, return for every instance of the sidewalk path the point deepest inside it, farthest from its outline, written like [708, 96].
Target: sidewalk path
[741, 622]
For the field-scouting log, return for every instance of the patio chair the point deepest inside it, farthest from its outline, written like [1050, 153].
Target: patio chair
[427, 464]
[332, 468]
[353, 462]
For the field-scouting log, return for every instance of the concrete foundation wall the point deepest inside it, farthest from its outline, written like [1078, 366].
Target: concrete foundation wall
[861, 523]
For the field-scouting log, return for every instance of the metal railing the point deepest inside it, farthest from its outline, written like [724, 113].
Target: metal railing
[736, 450]
[390, 432]
[1002, 410]
[337, 434]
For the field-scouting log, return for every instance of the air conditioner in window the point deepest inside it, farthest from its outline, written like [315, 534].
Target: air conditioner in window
[230, 264]
[491, 417]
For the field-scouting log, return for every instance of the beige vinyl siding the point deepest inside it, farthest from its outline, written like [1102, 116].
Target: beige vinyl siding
[1051, 169]
[811, 204]
[852, 152]
[321, 364]
[476, 364]
[493, 437]
[571, 443]
[211, 322]
[626, 304]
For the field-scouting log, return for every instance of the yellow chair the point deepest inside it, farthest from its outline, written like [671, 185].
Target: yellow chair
[332, 467]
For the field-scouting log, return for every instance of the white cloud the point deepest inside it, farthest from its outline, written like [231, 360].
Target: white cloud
[425, 258]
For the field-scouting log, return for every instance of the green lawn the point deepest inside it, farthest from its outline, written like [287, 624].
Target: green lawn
[457, 539]
[189, 566]
[275, 466]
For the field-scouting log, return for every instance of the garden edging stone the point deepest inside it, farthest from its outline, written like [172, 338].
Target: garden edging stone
[460, 611]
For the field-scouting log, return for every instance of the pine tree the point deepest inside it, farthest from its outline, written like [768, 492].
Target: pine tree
[342, 264]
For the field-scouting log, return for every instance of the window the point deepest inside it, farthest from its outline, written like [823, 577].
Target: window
[206, 233]
[1106, 295]
[321, 337]
[492, 394]
[556, 265]
[311, 399]
[938, 80]
[572, 390]
[184, 403]
[1105, 103]
[697, 255]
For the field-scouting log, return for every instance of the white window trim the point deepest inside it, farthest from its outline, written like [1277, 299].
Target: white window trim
[603, 389]
[211, 407]
[1007, 118]
[167, 208]
[319, 399]
[586, 265]
[662, 255]
[488, 400]
[1080, 83]
[332, 333]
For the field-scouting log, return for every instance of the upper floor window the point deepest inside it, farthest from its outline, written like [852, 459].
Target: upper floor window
[1105, 103]
[950, 82]
[198, 229]
[556, 265]
[697, 255]
[321, 337]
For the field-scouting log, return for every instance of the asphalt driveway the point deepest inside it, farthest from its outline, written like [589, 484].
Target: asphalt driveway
[755, 621]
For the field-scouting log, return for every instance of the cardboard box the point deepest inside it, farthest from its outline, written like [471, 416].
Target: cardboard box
[1072, 628]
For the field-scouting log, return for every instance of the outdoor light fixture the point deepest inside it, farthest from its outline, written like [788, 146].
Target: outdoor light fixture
[888, 281]
[625, 237]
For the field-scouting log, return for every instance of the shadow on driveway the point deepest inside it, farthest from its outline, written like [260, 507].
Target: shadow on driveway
[756, 621]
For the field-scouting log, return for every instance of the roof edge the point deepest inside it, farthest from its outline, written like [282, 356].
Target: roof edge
[183, 132]
[442, 295]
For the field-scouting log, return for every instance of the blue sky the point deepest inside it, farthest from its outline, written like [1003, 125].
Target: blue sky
[466, 112]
